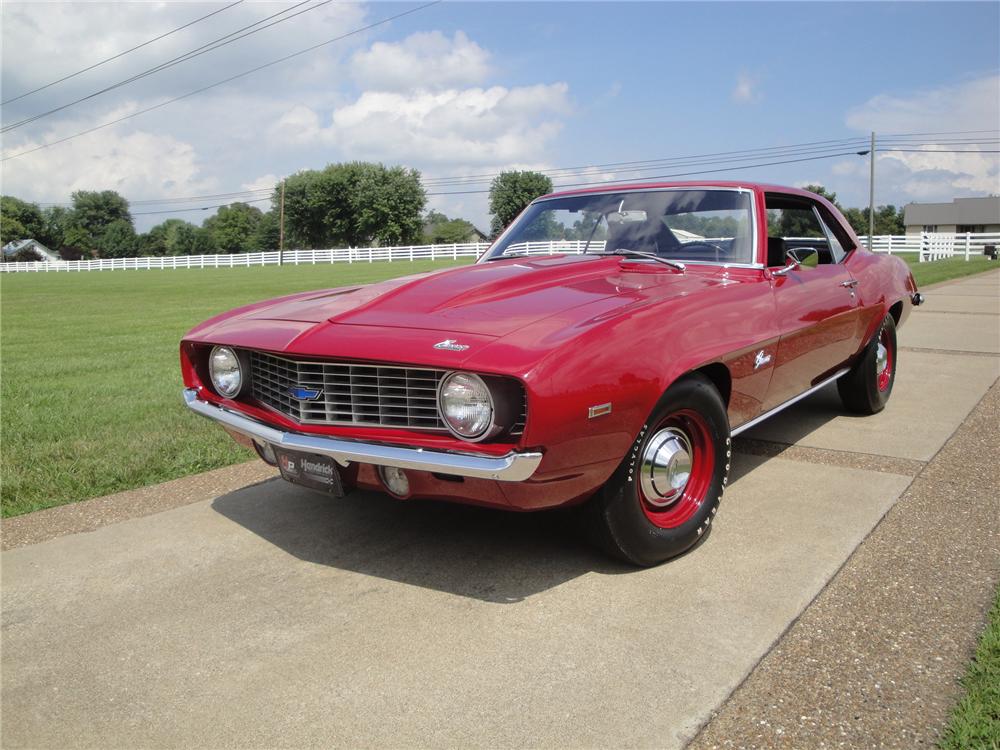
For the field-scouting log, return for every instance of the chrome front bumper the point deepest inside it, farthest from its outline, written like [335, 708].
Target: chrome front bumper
[513, 467]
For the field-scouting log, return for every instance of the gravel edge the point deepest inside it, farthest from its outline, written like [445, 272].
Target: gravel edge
[875, 660]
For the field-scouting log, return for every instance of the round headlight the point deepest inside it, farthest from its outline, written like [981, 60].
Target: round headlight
[466, 405]
[224, 367]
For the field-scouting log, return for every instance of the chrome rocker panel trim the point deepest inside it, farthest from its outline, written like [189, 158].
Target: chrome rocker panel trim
[513, 467]
[758, 419]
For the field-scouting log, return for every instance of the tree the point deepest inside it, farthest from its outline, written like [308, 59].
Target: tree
[510, 192]
[311, 197]
[353, 204]
[820, 190]
[233, 229]
[150, 243]
[386, 204]
[25, 255]
[20, 220]
[191, 240]
[267, 235]
[440, 230]
[888, 220]
[93, 212]
[858, 219]
[118, 240]
[53, 236]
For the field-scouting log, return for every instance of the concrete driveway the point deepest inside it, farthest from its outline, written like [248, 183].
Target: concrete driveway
[270, 616]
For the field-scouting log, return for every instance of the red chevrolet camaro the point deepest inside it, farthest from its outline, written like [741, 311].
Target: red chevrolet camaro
[603, 352]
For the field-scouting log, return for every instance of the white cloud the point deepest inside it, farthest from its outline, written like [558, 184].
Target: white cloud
[746, 89]
[969, 105]
[264, 182]
[136, 164]
[425, 60]
[933, 174]
[431, 101]
[476, 126]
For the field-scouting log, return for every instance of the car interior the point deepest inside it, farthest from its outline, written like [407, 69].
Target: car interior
[794, 222]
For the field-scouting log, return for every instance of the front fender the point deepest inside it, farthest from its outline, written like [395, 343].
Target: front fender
[628, 358]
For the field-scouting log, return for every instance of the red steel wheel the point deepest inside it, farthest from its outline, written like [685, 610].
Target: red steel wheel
[884, 359]
[866, 387]
[661, 500]
[676, 469]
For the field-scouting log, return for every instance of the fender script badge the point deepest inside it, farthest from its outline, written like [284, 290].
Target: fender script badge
[451, 345]
[761, 359]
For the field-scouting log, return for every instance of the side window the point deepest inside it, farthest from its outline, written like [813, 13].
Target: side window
[836, 249]
[794, 222]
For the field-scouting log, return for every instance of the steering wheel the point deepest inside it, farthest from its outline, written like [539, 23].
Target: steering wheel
[717, 248]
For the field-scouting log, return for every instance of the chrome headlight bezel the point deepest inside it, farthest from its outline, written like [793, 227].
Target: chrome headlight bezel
[214, 371]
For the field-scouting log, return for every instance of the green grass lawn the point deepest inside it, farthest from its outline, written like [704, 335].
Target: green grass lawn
[90, 384]
[975, 722]
[89, 377]
[943, 270]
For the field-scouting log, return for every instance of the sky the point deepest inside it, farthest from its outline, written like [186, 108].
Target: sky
[470, 88]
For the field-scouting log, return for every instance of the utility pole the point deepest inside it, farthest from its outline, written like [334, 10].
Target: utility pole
[281, 223]
[871, 193]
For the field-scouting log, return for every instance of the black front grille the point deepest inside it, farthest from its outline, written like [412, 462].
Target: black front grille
[350, 394]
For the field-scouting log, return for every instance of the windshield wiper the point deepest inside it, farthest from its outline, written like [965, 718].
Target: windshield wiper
[640, 254]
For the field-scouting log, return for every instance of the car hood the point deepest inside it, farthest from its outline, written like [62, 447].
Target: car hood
[488, 299]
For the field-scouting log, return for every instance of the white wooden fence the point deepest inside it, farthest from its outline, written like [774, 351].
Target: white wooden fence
[929, 246]
[270, 258]
[934, 246]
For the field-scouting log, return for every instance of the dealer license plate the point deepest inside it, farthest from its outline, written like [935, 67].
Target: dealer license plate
[311, 470]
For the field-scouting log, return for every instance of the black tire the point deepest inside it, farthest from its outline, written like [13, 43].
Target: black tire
[866, 388]
[620, 518]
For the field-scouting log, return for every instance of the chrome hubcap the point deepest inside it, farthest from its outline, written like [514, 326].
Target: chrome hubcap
[666, 467]
[881, 358]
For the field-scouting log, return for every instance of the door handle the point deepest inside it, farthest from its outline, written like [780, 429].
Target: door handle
[850, 284]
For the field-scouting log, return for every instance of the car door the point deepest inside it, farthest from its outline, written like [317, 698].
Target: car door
[816, 304]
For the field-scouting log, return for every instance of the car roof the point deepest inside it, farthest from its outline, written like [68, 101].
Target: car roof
[611, 188]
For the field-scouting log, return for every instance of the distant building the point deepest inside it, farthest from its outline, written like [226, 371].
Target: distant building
[960, 216]
[13, 248]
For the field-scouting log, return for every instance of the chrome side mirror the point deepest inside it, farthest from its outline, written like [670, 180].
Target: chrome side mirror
[799, 257]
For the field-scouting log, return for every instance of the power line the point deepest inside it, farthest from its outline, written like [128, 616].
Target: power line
[120, 54]
[569, 171]
[189, 55]
[196, 208]
[354, 32]
[696, 172]
[801, 149]
[841, 141]
[667, 161]
[675, 174]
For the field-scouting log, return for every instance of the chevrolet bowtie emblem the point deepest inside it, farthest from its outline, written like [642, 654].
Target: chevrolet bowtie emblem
[451, 345]
[301, 393]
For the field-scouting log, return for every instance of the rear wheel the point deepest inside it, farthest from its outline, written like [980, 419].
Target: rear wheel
[868, 385]
[661, 500]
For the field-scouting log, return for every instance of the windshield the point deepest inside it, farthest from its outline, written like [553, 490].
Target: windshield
[707, 225]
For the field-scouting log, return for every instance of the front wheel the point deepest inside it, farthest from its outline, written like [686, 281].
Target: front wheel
[866, 388]
[661, 500]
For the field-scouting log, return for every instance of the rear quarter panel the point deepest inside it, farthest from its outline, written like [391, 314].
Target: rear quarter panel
[883, 281]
